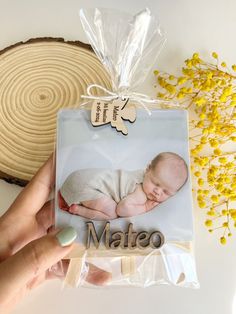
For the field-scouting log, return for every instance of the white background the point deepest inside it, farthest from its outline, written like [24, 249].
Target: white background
[202, 26]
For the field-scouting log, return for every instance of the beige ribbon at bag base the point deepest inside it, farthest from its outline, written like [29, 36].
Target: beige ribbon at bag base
[128, 265]
[128, 259]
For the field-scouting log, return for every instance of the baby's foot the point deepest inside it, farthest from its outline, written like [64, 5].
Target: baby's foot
[61, 202]
[74, 209]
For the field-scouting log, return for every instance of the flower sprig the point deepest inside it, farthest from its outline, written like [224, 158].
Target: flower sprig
[208, 91]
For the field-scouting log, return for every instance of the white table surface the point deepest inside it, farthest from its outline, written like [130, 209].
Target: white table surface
[202, 26]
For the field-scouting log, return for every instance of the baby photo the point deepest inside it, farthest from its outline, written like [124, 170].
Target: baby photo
[142, 178]
[104, 194]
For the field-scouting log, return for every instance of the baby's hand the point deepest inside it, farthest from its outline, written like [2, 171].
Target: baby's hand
[150, 205]
[140, 195]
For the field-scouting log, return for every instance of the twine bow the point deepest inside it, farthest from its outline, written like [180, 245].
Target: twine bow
[110, 96]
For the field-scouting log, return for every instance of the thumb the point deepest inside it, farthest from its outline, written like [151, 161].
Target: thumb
[32, 260]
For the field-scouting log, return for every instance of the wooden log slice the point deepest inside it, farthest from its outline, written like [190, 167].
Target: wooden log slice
[37, 78]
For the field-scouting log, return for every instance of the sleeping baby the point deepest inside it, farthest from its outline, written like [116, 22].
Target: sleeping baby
[105, 194]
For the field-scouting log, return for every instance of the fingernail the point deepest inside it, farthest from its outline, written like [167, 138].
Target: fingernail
[66, 236]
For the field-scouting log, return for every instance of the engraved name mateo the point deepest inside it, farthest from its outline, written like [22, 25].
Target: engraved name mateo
[123, 240]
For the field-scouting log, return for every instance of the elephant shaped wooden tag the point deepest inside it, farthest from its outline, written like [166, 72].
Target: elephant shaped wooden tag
[114, 112]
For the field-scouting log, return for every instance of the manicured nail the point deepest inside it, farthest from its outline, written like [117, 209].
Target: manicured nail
[66, 236]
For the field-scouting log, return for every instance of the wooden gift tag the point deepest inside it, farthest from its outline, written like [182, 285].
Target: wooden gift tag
[114, 112]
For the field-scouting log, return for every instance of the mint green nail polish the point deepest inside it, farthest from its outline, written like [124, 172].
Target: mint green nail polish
[66, 236]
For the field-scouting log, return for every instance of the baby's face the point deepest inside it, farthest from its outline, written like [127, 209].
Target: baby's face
[163, 181]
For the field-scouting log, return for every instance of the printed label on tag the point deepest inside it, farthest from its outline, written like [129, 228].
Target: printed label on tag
[113, 112]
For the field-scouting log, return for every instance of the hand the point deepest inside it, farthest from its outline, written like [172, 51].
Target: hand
[26, 250]
[142, 197]
[150, 204]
